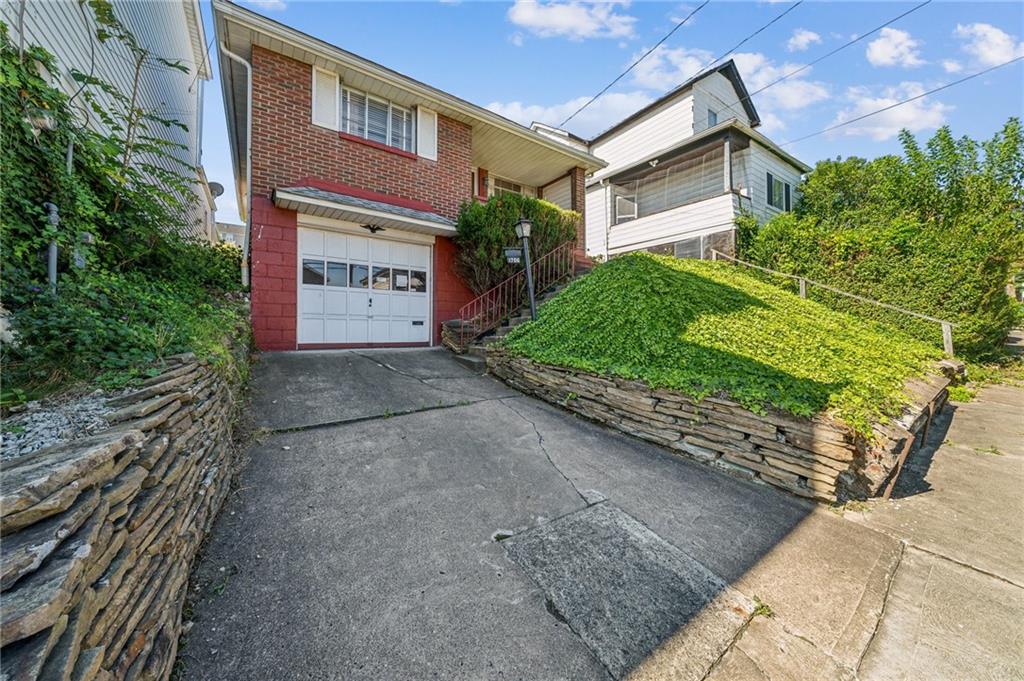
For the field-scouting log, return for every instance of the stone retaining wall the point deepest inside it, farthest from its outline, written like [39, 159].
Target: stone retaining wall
[817, 458]
[99, 534]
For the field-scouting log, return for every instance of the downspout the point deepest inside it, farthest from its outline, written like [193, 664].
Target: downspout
[248, 157]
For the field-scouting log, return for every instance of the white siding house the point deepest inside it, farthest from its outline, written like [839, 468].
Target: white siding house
[169, 29]
[683, 168]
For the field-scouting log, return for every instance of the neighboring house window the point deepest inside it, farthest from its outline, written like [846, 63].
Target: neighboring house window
[506, 187]
[712, 118]
[625, 209]
[778, 193]
[377, 120]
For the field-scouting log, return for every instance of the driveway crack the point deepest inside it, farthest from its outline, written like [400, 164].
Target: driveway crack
[396, 370]
[547, 454]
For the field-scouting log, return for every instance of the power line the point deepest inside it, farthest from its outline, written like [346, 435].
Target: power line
[634, 64]
[901, 103]
[838, 49]
[823, 57]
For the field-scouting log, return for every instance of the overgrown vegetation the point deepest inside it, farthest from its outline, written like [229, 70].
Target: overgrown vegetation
[709, 328]
[939, 231]
[143, 289]
[486, 229]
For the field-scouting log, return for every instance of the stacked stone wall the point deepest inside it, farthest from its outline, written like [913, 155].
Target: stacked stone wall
[99, 534]
[819, 458]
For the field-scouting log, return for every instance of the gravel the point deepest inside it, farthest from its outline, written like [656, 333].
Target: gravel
[53, 420]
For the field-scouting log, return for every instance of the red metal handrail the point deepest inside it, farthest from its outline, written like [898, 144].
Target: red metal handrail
[488, 310]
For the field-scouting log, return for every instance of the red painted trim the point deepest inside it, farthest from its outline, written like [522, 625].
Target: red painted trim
[377, 145]
[348, 346]
[349, 190]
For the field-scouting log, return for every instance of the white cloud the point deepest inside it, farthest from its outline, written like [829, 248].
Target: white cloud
[599, 116]
[516, 39]
[952, 66]
[668, 67]
[921, 114]
[684, 12]
[801, 40]
[574, 20]
[270, 5]
[894, 47]
[988, 45]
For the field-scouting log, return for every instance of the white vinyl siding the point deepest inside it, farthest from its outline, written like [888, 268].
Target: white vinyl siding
[559, 193]
[596, 217]
[325, 95]
[163, 28]
[696, 219]
[716, 94]
[750, 172]
[666, 127]
[426, 139]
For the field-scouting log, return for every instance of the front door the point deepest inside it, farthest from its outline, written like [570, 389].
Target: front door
[357, 290]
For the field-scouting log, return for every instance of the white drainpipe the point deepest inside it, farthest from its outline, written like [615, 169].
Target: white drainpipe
[248, 156]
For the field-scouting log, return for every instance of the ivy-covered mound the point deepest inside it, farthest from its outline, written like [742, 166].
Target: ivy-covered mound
[707, 328]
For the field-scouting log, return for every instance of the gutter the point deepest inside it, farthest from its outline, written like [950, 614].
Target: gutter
[248, 157]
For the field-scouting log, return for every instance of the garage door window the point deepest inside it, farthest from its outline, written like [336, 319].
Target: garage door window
[359, 276]
[381, 278]
[337, 274]
[399, 280]
[313, 272]
[418, 281]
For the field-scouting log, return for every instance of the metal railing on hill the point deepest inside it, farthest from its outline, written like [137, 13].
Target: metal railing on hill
[804, 282]
[488, 310]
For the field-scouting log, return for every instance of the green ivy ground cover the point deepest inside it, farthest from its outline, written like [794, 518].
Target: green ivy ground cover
[707, 328]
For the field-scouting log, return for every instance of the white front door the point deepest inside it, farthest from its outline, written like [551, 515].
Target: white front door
[362, 290]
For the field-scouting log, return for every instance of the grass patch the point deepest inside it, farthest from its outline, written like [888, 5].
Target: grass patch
[708, 328]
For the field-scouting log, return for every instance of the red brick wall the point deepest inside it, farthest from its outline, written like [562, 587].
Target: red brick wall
[579, 201]
[449, 292]
[288, 147]
[274, 279]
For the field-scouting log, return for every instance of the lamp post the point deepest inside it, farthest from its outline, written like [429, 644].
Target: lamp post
[523, 228]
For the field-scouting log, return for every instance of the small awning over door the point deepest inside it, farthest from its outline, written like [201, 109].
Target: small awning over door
[362, 208]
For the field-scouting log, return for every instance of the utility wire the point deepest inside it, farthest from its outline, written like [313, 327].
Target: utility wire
[744, 41]
[818, 60]
[901, 103]
[634, 64]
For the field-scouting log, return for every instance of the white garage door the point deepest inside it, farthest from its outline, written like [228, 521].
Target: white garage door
[356, 289]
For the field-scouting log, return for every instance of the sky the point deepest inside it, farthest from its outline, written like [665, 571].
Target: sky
[540, 61]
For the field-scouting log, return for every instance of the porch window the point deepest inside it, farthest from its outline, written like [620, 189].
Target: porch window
[506, 187]
[377, 120]
[778, 193]
[670, 185]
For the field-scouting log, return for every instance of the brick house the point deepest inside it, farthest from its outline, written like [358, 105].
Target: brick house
[350, 179]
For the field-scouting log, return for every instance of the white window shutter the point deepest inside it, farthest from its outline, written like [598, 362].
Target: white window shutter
[426, 133]
[325, 99]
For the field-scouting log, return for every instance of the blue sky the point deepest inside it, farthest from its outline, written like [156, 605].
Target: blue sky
[541, 60]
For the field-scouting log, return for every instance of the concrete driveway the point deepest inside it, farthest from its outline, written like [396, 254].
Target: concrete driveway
[408, 519]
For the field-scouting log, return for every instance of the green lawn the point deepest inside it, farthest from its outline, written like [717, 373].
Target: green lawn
[707, 328]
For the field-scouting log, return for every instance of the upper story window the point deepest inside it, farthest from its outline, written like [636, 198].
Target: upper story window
[377, 120]
[372, 118]
[712, 118]
[779, 193]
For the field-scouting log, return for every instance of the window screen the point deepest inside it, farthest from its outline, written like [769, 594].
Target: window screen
[377, 115]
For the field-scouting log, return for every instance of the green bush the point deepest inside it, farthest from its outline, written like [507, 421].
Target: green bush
[486, 229]
[710, 328]
[146, 289]
[937, 231]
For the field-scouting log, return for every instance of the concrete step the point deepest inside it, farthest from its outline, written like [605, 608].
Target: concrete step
[472, 362]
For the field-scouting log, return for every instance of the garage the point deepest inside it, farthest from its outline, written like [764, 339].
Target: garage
[363, 290]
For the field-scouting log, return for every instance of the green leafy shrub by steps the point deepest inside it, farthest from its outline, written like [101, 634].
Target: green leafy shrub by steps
[147, 289]
[939, 231]
[709, 328]
[486, 229]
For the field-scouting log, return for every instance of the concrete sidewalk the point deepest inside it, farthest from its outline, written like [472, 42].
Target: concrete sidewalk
[435, 524]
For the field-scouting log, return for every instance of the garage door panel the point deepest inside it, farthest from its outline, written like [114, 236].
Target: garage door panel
[358, 330]
[418, 331]
[311, 330]
[399, 305]
[336, 303]
[381, 305]
[336, 330]
[311, 302]
[358, 248]
[419, 256]
[418, 306]
[337, 246]
[311, 242]
[400, 254]
[380, 251]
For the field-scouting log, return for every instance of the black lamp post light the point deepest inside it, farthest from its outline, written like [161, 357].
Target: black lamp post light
[523, 228]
